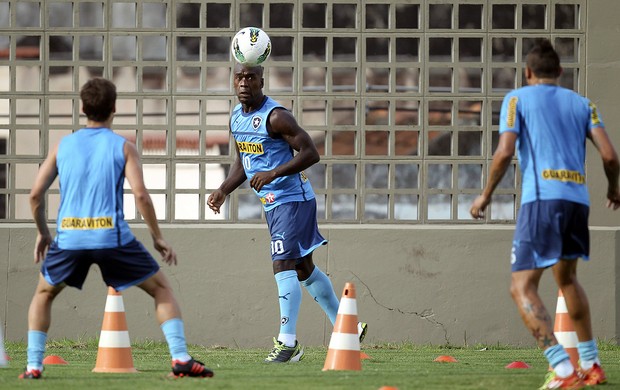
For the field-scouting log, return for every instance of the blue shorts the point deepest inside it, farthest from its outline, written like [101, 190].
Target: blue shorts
[550, 230]
[294, 230]
[121, 267]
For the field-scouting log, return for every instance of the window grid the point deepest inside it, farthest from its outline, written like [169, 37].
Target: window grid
[401, 97]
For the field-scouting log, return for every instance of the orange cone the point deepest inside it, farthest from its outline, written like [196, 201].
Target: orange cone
[445, 359]
[564, 330]
[114, 354]
[53, 359]
[518, 364]
[344, 345]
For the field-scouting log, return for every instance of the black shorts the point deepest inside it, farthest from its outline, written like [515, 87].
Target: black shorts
[121, 267]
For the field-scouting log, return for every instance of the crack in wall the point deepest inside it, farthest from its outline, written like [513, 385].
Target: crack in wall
[426, 314]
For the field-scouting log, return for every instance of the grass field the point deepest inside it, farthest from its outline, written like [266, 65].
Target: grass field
[403, 366]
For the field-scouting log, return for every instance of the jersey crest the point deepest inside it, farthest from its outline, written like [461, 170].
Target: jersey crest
[256, 121]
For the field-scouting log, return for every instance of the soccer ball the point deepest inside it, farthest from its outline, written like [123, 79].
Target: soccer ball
[251, 46]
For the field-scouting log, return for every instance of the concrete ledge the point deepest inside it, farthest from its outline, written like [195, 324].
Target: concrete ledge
[420, 283]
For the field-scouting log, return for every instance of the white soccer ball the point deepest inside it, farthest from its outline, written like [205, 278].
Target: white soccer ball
[251, 46]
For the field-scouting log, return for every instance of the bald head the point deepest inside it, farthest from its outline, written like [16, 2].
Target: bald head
[257, 70]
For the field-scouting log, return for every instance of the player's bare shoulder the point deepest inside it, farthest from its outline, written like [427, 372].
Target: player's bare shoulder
[282, 122]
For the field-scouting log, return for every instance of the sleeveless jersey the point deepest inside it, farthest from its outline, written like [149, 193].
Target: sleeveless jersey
[552, 124]
[259, 152]
[91, 170]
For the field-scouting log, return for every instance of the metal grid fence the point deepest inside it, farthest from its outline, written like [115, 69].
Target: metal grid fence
[401, 97]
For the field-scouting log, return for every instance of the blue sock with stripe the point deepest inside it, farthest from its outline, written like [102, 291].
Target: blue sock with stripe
[321, 289]
[36, 349]
[289, 293]
[174, 331]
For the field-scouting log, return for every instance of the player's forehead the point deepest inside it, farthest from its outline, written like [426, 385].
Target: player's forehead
[244, 70]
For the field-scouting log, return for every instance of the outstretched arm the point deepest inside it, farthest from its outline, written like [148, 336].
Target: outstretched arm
[133, 173]
[46, 176]
[603, 144]
[283, 124]
[501, 160]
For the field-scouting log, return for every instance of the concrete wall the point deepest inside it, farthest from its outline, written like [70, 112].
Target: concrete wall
[602, 86]
[424, 284]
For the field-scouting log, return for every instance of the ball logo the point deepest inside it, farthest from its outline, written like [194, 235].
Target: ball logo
[254, 33]
[284, 321]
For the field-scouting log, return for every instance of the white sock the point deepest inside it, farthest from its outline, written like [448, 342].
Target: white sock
[184, 359]
[287, 339]
[564, 369]
[587, 364]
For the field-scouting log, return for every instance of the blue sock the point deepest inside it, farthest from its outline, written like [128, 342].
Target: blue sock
[36, 349]
[321, 289]
[289, 293]
[556, 355]
[588, 353]
[174, 332]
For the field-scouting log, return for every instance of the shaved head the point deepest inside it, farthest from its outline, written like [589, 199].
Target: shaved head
[258, 69]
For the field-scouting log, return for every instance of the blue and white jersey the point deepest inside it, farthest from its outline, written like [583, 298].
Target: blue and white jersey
[552, 124]
[259, 153]
[91, 170]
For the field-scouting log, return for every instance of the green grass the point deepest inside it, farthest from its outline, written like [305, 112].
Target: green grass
[404, 366]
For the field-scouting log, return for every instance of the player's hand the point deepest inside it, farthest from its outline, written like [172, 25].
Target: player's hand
[613, 199]
[41, 246]
[262, 178]
[167, 253]
[478, 206]
[215, 201]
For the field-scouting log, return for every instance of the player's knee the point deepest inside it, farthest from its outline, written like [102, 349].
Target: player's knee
[156, 285]
[45, 295]
[567, 281]
[517, 290]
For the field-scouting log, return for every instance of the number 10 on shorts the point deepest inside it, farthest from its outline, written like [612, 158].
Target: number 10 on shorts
[277, 247]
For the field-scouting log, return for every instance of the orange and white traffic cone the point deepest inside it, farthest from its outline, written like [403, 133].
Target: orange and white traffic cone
[344, 345]
[564, 330]
[114, 354]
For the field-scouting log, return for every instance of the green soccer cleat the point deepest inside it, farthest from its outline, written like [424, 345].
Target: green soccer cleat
[572, 382]
[283, 354]
[362, 328]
